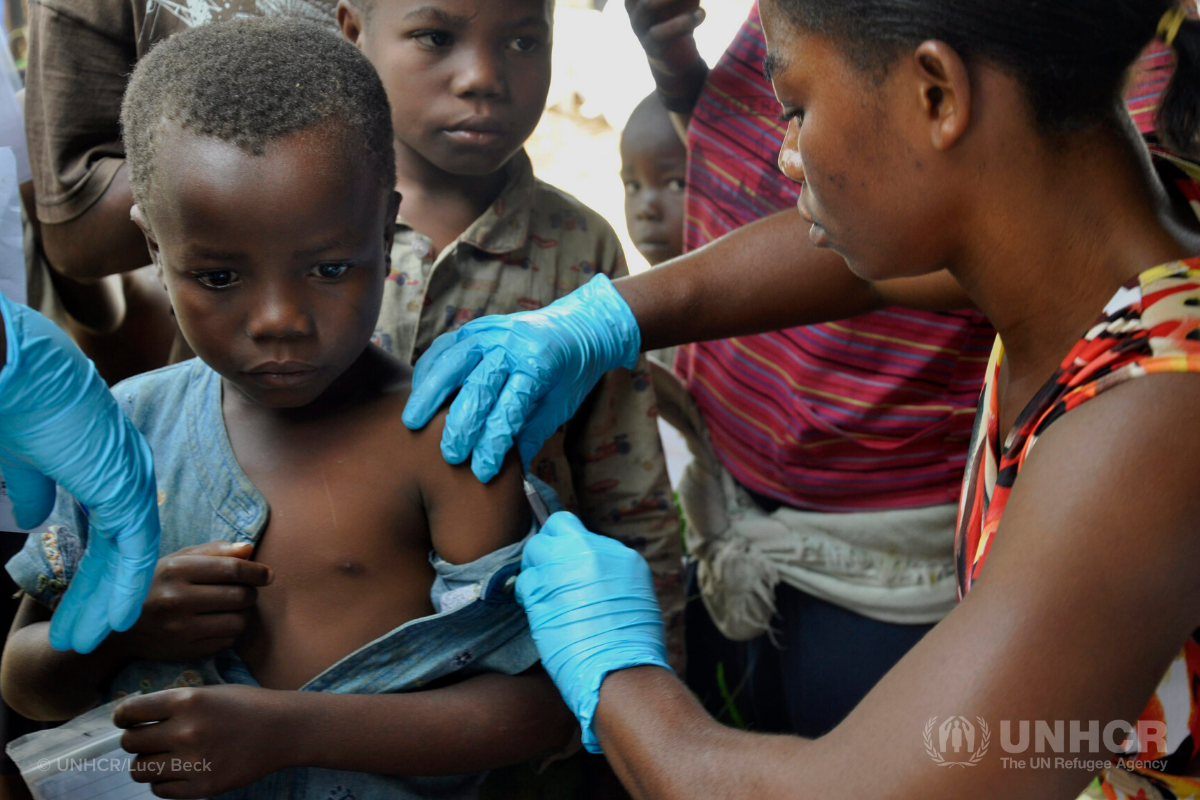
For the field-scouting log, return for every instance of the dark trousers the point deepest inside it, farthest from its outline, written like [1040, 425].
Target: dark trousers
[827, 660]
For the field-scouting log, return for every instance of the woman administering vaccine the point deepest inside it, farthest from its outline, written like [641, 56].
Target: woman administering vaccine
[983, 141]
[60, 425]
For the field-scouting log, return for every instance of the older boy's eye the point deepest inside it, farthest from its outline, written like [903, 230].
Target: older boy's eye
[632, 187]
[218, 279]
[332, 271]
[433, 38]
[677, 184]
[524, 44]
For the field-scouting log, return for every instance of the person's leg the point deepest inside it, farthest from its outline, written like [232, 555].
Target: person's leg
[830, 658]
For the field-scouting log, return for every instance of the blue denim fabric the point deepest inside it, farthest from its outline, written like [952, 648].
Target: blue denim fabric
[204, 496]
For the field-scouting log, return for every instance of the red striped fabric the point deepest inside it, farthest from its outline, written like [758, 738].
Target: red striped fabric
[869, 413]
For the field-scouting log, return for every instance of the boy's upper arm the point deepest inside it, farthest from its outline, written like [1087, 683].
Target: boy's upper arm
[469, 519]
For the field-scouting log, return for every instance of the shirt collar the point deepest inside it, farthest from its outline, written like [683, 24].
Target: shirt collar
[504, 226]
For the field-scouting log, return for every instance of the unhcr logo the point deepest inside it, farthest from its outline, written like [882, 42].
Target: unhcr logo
[957, 742]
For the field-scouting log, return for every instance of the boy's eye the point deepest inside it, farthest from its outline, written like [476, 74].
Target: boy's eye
[677, 184]
[331, 271]
[218, 279]
[632, 187]
[524, 44]
[433, 38]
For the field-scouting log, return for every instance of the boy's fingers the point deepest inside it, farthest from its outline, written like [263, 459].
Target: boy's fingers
[220, 598]
[223, 569]
[218, 548]
[141, 709]
[219, 626]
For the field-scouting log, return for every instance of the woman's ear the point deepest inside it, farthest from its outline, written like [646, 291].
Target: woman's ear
[944, 88]
[350, 22]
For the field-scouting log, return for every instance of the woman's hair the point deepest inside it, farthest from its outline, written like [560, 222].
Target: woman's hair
[1072, 56]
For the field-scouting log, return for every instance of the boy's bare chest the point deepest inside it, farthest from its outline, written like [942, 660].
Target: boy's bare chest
[348, 543]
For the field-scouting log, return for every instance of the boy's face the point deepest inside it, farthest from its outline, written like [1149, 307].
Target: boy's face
[653, 167]
[274, 264]
[467, 79]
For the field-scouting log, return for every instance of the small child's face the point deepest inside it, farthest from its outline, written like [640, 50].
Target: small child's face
[654, 169]
[275, 263]
[467, 79]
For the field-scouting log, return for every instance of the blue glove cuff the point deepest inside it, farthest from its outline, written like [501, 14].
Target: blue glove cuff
[623, 337]
[587, 713]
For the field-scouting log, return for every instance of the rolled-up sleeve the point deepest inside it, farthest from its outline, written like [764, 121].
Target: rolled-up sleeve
[45, 565]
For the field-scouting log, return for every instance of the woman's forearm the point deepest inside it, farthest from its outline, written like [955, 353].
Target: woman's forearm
[663, 745]
[482, 723]
[763, 277]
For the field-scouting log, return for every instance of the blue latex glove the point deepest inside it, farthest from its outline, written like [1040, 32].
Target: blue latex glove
[522, 375]
[60, 424]
[592, 610]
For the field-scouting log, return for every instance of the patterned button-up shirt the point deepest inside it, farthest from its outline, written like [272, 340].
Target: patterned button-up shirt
[534, 245]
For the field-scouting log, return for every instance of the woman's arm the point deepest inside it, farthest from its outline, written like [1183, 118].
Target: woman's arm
[1089, 593]
[766, 276]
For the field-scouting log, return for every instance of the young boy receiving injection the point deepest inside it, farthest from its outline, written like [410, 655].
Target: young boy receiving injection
[478, 234]
[267, 201]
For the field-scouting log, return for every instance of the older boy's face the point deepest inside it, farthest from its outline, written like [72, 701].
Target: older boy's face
[467, 79]
[275, 264]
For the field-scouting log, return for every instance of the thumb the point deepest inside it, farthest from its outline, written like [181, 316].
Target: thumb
[31, 492]
[219, 547]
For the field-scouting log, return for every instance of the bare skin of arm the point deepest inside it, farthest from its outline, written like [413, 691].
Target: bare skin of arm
[763, 277]
[102, 240]
[1097, 545]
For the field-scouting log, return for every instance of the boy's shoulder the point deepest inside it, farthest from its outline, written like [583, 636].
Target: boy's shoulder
[160, 391]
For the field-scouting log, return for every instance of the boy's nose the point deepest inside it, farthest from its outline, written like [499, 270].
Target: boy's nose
[480, 74]
[649, 206]
[278, 314]
[790, 163]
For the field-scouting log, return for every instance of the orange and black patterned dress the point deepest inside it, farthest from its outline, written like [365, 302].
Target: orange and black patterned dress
[1151, 326]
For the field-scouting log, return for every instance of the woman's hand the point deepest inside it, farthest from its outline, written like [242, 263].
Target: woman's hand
[205, 740]
[522, 375]
[59, 424]
[592, 610]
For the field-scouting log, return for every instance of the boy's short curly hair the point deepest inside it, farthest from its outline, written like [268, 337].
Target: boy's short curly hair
[250, 81]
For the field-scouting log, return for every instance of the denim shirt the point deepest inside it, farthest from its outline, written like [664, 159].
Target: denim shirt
[204, 496]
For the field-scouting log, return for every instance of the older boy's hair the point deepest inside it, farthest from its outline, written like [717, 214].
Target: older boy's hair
[250, 81]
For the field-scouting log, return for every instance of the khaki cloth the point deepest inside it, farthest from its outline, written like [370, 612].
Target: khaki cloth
[891, 566]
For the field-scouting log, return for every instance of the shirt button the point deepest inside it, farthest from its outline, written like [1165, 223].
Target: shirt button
[420, 249]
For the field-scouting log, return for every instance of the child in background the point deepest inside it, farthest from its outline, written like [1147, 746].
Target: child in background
[478, 234]
[654, 170]
[267, 201]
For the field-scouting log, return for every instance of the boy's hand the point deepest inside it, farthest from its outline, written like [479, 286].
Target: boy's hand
[198, 602]
[205, 740]
[664, 27]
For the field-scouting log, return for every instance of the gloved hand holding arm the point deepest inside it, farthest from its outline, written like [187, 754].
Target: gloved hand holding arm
[60, 424]
[592, 610]
[522, 375]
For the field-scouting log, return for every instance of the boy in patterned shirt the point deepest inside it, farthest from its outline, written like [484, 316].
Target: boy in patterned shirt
[478, 234]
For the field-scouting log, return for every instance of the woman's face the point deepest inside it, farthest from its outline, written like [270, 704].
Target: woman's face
[875, 188]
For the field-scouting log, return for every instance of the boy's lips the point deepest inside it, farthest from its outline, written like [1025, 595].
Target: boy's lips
[281, 374]
[476, 130]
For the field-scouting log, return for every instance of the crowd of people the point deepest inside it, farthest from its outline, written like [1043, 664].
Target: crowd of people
[362, 495]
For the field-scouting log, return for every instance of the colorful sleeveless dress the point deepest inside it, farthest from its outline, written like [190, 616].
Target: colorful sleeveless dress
[1152, 325]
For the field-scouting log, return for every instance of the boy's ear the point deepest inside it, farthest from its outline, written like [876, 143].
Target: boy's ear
[944, 92]
[139, 218]
[350, 22]
[389, 229]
